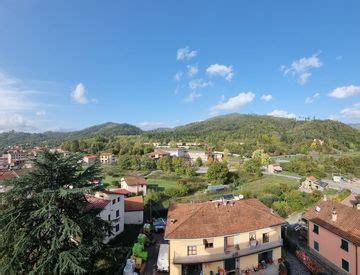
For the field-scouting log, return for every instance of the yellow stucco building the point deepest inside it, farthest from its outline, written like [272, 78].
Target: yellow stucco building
[226, 237]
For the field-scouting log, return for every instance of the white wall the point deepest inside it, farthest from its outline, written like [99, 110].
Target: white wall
[134, 217]
[111, 209]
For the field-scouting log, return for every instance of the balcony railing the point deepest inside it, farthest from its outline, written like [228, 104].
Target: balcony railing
[228, 254]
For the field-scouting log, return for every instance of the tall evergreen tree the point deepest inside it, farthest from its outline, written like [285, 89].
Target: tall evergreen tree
[45, 228]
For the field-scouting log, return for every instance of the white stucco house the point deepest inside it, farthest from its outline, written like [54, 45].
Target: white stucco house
[90, 159]
[134, 210]
[109, 206]
[107, 158]
[134, 184]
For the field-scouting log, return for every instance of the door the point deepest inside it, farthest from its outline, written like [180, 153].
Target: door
[230, 266]
[191, 269]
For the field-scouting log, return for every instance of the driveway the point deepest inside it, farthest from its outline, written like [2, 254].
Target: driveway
[153, 251]
[352, 185]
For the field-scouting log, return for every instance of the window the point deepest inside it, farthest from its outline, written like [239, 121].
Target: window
[118, 199]
[109, 217]
[191, 250]
[344, 245]
[114, 201]
[316, 229]
[229, 241]
[117, 213]
[209, 243]
[266, 237]
[345, 265]
[316, 246]
[117, 227]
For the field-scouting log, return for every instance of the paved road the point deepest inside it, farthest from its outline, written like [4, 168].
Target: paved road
[153, 254]
[353, 185]
[296, 267]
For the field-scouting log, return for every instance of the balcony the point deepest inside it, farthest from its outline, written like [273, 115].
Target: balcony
[228, 254]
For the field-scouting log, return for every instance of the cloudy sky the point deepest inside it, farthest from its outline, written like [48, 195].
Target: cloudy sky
[163, 63]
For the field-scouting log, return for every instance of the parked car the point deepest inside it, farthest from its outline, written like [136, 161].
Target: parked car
[159, 225]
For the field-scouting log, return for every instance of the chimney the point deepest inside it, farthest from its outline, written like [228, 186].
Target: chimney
[333, 214]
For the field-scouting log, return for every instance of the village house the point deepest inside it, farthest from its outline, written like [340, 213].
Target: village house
[134, 210]
[175, 152]
[274, 168]
[134, 184]
[90, 159]
[107, 158]
[334, 233]
[109, 206]
[223, 237]
[311, 183]
[4, 165]
[157, 154]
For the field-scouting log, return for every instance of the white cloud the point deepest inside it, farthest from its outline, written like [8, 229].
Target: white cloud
[185, 53]
[79, 94]
[221, 70]
[352, 112]
[14, 121]
[311, 99]
[199, 83]
[345, 91]
[149, 125]
[192, 70]
[300, 68]
[281, 113]
[192, 96]
[178, 75]
[339, 57]
[41, 113]
[233, 103]
[266, 97]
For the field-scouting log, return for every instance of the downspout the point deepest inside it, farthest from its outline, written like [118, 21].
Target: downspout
[356, 254]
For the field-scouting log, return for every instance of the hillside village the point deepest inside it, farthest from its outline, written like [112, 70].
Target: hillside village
[261, 210]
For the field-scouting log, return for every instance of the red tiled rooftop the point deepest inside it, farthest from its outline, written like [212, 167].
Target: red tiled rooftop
[120, 191]
[90, 156]
[205, 220]
[134, 204]
[96, 203]
[312, 178]
[8, 175]
[347, 224]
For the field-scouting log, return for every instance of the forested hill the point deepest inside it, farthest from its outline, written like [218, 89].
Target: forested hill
[270, 131]
[54, 138]
[235, 132]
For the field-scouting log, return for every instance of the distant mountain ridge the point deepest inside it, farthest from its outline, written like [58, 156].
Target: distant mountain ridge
[108, 129]
[232, 127]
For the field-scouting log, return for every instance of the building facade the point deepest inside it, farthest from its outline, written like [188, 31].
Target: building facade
[134, 210]
[109, 207]
[107, 158]
[334, 233]
[134, 184]
[228, 237]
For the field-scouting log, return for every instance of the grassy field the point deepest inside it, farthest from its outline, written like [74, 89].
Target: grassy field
[260, 186]
[161, 184]
[111, 181]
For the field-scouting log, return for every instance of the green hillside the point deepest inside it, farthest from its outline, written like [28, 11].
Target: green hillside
[240, 133]
[54, 138]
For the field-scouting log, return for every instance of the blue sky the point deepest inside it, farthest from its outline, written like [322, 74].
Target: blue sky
[165, 63]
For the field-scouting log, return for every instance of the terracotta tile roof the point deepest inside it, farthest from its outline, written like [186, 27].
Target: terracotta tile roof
[8, 175]
[134, 204]
[134, 180]
[312, 178]
[96, 203]
[347, 224]
[203, 220]
[120, 191]
[90, 156]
